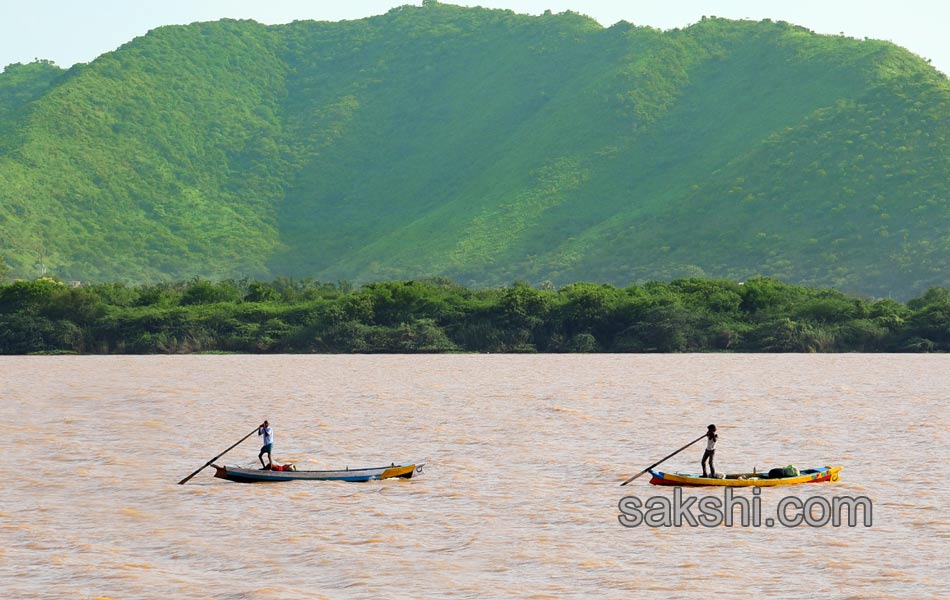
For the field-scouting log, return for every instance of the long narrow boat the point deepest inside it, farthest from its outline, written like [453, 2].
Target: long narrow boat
[746, 479]
[243, 475]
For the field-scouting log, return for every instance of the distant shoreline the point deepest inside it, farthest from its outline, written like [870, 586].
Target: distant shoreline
[288, 316]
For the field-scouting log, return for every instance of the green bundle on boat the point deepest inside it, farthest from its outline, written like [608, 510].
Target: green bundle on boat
[787, 471]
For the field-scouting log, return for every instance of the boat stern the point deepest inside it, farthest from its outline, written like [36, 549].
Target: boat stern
[827, 474]
[403, 471]
[659, 478]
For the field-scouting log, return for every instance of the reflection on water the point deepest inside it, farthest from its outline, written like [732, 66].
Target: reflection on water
[520, 496]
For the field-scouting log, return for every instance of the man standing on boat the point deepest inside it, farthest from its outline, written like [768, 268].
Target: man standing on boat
[268, 432]
[711, 438]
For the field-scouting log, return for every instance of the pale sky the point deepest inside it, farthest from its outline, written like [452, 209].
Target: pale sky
[71, 31]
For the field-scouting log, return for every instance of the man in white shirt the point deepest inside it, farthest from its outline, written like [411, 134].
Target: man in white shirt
[268, 432]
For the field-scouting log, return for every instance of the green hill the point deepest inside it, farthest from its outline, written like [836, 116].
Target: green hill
[484, 146]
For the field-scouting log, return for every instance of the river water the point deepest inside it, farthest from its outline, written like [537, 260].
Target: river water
[520, 494]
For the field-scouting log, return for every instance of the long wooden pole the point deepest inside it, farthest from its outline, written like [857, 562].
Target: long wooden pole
[663, 459]
[185, 480]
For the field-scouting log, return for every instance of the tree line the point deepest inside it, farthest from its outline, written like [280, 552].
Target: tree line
[436, 315]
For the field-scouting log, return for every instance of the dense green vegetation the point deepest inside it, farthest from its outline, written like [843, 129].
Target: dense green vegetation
[21, 84]
[286, 315]
[483, 146]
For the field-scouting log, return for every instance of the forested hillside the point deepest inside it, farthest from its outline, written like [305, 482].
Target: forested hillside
[484, 146]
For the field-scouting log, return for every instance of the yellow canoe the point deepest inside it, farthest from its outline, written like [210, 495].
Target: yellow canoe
[746, 479]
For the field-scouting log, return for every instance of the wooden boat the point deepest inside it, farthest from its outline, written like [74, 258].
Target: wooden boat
[243, 475]
[746, 479]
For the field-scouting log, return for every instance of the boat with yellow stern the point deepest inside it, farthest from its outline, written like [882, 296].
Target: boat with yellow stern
[753, 479]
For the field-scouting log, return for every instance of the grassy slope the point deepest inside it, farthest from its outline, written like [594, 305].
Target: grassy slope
[483, 145]
[128, 169]
[20, 84]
